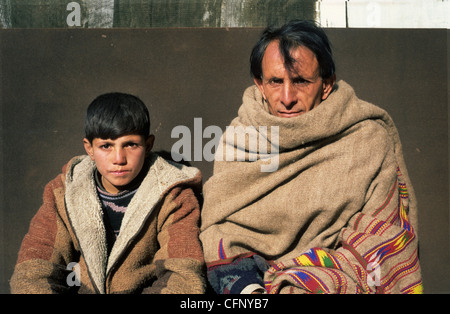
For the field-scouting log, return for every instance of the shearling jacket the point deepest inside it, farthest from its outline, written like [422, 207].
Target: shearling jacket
[157, 250]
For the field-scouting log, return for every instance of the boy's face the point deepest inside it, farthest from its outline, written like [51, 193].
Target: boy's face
[119, 161]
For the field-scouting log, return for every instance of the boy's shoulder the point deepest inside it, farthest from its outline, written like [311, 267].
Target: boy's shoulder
[170, 172]
[81, 161]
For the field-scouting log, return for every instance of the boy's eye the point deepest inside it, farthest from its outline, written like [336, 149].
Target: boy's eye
[104, 145]
[131, 145]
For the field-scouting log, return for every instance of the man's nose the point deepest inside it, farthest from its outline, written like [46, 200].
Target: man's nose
[288, 95]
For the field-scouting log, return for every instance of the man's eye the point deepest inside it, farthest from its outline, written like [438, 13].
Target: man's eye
[105, 146]
[299, 81]
[275, 81]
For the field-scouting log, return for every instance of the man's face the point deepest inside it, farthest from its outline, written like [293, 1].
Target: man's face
[119, 161]
[290, 94]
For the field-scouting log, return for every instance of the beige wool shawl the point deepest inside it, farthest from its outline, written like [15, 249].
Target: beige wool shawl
[334, 163]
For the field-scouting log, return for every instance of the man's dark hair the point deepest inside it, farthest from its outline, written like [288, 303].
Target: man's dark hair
[292, 35]
[112, 115]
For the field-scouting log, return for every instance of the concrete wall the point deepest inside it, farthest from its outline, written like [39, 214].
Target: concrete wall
[49, 76]
[151, 13]
[222, 13]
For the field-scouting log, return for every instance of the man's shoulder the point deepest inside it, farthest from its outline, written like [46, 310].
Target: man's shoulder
[371, 139]
[374, 127]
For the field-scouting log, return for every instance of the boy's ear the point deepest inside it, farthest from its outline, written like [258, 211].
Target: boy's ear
[149, 143]
[88, 148]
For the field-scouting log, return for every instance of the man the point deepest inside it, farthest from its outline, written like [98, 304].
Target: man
[339, 214]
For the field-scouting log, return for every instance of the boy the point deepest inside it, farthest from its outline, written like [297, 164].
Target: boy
[120, 220]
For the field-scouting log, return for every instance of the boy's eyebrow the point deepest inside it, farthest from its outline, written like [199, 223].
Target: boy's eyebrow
[130, 142]
[113, 141]
[103, 140]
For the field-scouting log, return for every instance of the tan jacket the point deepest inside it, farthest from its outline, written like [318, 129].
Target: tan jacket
[157, 250]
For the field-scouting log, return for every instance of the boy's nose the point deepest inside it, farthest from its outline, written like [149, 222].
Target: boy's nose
[119, 157]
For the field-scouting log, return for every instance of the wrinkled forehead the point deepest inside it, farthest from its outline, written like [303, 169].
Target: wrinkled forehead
[299, 60]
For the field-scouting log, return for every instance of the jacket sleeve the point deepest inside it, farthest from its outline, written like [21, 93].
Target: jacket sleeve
[46, 249]
[377, 250]
[179, 261]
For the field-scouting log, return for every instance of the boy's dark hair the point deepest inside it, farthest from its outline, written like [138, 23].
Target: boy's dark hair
[112, 115]
[292, 35]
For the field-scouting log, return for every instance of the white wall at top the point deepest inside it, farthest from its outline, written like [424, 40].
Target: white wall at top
[383, 13]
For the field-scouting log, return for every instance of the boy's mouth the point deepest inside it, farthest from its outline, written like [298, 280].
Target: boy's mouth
[119, 172]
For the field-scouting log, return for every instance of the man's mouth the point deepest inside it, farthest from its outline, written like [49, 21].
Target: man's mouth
[289, 114]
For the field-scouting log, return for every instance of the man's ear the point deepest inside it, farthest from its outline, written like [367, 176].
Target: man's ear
[88, 148]
[327, 86]
[259, 83]
[149, 144]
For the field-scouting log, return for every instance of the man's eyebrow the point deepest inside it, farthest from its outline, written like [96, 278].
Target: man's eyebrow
[274, 78]
[298, 77]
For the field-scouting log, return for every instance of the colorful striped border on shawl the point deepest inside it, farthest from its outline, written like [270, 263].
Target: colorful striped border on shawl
[391, 247]
[222, 254]
[395, 245]
[368, 268]
[317, 257]
[401, 270]
[415, 288]
[306, 279]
